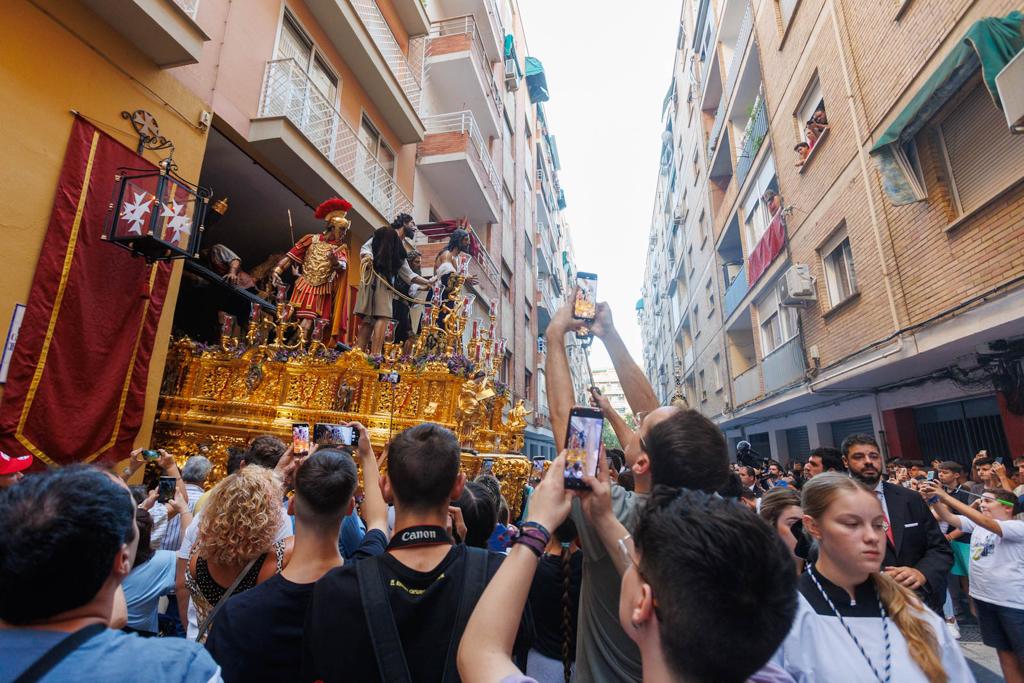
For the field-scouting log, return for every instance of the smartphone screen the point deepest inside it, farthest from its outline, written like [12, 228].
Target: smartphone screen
[325, 434]
[582, 445]
[165, 489]
[931, 475]
[585, 305]
[300, 438]
[150, 455]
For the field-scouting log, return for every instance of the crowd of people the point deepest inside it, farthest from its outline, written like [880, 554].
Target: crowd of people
[672, 565]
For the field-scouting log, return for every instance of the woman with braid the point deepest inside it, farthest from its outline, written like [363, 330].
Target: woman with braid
[854, 622]
[554, 600]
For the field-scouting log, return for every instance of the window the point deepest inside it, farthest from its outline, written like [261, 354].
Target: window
[810, 120]
[702, 230]
[696, 165]
[695, 319]
[314, 115]
[689, 259]
[709, 292]
[982, 157]
[761, 203]
[702, 386]
[527, 393]
[837, 261]
[777, 324]
[716, 374]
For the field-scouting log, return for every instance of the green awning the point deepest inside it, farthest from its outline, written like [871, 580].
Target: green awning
[989, 44]
[536, 81]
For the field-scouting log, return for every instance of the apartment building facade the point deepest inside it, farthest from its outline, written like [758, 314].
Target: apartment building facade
[433, 109]
[837, 245]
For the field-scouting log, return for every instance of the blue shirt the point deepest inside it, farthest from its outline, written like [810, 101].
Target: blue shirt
[352, 532]
[144, 586]
[108, 656]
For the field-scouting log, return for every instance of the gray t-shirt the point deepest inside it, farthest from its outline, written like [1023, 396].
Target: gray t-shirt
[604, 653]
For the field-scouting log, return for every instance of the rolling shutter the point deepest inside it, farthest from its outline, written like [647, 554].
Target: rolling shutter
[983, 157]
[844, 428]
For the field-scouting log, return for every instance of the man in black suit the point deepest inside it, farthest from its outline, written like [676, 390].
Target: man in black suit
[916, 554]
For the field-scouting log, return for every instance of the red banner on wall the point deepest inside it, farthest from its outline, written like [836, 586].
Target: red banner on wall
[76, 388]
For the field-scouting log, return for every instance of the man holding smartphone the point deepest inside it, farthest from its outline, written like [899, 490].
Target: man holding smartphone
[672, 446]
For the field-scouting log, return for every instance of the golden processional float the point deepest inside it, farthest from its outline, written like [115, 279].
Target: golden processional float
[216, 397]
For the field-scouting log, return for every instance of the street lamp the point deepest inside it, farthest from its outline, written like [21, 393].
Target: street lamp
[156, 214]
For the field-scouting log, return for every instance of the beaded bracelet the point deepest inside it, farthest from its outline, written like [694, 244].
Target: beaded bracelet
[534, 536]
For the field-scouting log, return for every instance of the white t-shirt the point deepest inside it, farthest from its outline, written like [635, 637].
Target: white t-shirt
[997, 562]
[189, 540]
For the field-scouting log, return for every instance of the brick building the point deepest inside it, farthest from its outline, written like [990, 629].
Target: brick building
[871, 286]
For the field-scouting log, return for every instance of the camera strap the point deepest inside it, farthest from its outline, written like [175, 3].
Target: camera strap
[427, 534]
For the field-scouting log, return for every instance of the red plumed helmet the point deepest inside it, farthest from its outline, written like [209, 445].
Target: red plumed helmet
[331, 205]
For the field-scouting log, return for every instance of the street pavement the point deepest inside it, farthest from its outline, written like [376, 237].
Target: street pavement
[980, 657]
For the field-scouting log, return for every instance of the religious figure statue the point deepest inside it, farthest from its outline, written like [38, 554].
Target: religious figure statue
[323, 258]
[517, 417]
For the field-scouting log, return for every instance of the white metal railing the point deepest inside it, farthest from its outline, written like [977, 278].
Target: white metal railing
[466, 25]
[190, 7]
[486, 264]
[407, 70]
[289, 92]
[463, 122]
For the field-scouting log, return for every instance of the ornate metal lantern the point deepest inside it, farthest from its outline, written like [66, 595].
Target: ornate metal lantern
[156, 214]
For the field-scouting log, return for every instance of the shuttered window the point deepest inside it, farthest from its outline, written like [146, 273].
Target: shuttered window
[982, 157]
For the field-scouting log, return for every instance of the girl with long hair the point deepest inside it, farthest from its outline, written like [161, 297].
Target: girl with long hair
[554, 601]
[855, 623]
[780, 507]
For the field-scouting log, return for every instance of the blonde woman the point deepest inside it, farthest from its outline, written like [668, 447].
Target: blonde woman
[853, 622]
[236, 548]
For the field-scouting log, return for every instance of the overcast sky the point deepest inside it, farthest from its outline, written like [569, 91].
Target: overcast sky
[608, 66]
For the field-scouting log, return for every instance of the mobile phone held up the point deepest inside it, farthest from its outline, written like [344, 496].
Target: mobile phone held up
[585, 305]
[582, 445]
[325, 434]
[300, 439]
[165, 489]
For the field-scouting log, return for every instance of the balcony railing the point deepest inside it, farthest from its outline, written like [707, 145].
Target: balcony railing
[190, 7]
[737, 289]
[408, 71]
[785, 365]
[289, 92]
[746, 27]
[753, 136]
[747, 386]
[467, 26]
[463, 122]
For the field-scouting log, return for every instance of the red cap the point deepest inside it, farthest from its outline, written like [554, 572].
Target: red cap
[10, 464]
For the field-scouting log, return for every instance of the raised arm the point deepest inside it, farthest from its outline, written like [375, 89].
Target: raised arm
[953, 507]
[639, 393]
[375, 510]
[485, 653]
[597, 506]
[556, 371]
[622, 430]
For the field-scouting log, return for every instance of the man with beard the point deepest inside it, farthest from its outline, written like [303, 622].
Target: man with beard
[917, 555]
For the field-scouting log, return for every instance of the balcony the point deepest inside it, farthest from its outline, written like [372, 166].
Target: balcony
[456, 162]
[302, 133]
[460, 73]
[753, 137]
[488, 17]
[362, 36]
[163, 30]
[747, 386]
[785, 365]
[732, 72]
[735, 292]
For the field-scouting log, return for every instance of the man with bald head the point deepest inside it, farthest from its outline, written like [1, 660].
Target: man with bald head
[671, 446]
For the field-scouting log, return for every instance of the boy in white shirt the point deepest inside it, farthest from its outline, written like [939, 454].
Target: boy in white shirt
[997, 568]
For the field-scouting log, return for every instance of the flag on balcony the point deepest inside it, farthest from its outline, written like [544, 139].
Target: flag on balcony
[76, 389]
[536, 81]
[767, 249]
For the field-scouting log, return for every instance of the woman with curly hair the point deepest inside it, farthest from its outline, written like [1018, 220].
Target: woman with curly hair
[236, 548]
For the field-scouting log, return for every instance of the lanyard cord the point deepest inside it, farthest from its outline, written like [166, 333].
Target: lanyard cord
[885, 631]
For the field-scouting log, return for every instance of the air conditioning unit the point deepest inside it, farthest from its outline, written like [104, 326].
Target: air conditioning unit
[511, 75]
[1010, 85]
[796, 288]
